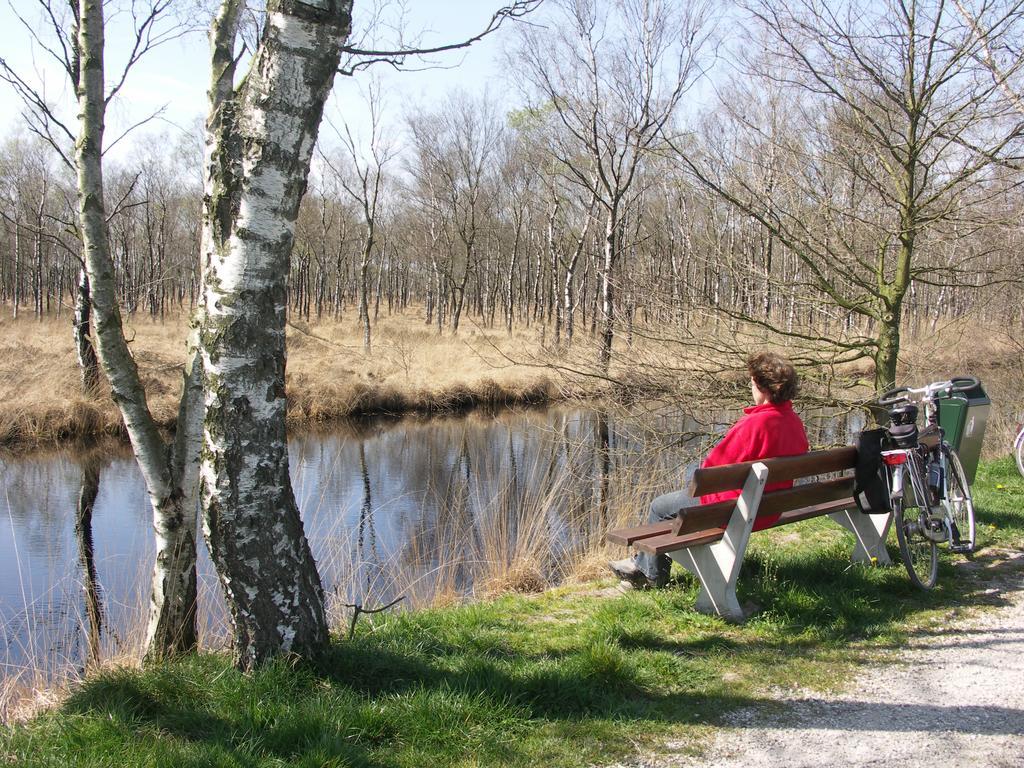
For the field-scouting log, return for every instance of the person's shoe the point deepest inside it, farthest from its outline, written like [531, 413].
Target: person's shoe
[624, 569]
[632, 577]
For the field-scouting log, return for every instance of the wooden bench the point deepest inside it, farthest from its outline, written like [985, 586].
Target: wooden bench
[710, 540]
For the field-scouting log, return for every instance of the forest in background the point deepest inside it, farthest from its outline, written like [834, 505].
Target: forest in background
[853, 177]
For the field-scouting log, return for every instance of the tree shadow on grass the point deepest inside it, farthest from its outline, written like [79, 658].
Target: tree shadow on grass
[414, 696]
[362, 705]
[843, 601]
[1007, 521]
[650, 640]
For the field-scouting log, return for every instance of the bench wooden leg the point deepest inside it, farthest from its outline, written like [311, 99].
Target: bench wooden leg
[717, 565]
[869, 533]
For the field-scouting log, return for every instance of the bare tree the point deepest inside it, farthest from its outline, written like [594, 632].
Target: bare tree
[169, 471]
[363, 178]
[887, 134]
[57, 34]
[614, 73]
[455, 170]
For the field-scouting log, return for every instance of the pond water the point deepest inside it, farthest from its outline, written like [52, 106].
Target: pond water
[424, 510]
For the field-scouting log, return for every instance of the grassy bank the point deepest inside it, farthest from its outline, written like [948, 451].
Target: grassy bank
[576, 676]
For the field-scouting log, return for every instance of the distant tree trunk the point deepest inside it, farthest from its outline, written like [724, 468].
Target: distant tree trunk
[510, 277]
[37, 252]
[17, 267]
[553, 261]
[364, 287]
[379, 283]
[569, 307]
[608, 289]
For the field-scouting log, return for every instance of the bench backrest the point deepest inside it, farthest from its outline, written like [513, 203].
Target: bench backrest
[733, 476]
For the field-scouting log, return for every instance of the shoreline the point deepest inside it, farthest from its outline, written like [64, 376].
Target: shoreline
[84, 425]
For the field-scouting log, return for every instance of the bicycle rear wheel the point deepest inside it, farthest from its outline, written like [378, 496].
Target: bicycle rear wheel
[919, 553]
[959, 503]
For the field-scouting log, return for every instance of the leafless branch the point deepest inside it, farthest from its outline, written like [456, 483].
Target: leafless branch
[367, 57]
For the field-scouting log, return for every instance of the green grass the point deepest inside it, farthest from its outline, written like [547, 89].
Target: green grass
[573, 677]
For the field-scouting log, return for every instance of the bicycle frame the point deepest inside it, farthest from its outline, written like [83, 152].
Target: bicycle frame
[935, 525]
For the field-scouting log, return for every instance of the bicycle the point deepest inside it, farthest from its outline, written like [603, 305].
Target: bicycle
[1018, 449]
[931, 499]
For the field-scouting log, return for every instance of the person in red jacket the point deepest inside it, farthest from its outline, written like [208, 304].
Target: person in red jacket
[769, 428]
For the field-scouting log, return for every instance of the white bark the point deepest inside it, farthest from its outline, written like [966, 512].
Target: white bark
[259, 157]
[172, 616]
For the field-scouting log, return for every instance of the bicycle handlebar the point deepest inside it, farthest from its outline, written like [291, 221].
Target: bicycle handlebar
[929, 391]
[964, 383]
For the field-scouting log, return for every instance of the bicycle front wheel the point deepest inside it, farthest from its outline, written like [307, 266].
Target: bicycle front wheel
[959, 503]
[919, 553]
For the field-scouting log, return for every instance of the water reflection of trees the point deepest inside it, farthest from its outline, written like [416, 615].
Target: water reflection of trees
[38, 494]
[51, 503]
[525, 490]
[88, 492]
[367, 553]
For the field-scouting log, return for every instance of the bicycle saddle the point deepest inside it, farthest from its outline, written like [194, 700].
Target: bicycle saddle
[903, 414]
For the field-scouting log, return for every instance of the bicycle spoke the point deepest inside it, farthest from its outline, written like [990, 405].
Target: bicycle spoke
[919, 553]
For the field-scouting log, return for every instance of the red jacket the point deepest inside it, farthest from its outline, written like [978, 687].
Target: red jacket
[763, 432]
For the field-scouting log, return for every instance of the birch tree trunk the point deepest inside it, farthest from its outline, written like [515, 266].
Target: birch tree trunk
[88, 366]
[37, 254]
[364, 301]
[260, 141]
[608, 289]
[172, 626]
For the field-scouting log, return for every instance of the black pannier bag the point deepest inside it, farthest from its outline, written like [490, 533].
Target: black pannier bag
[871, 484]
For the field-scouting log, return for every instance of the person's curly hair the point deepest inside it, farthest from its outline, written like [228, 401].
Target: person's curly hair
[774, 375]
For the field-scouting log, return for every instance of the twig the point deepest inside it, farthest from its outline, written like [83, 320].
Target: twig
[357, 608]
[317, 337]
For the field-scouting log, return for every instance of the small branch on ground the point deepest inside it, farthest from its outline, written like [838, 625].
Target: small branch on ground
[357, 609]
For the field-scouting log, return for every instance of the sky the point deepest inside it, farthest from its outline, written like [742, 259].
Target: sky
[173, 77]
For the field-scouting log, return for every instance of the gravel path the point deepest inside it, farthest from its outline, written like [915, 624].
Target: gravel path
[956, 698]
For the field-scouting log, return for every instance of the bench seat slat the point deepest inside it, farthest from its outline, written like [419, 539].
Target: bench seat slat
[730, 477]
[669, 542]
[796, 515]
[703, 516]
[629, 535]
[662, 545]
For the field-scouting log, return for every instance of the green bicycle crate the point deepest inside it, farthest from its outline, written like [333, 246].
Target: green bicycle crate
[964, 416]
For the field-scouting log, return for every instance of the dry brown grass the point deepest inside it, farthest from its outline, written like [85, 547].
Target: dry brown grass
[410, 369]
[413, 369]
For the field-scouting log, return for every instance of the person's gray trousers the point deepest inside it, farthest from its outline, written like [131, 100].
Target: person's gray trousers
[657, 567]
